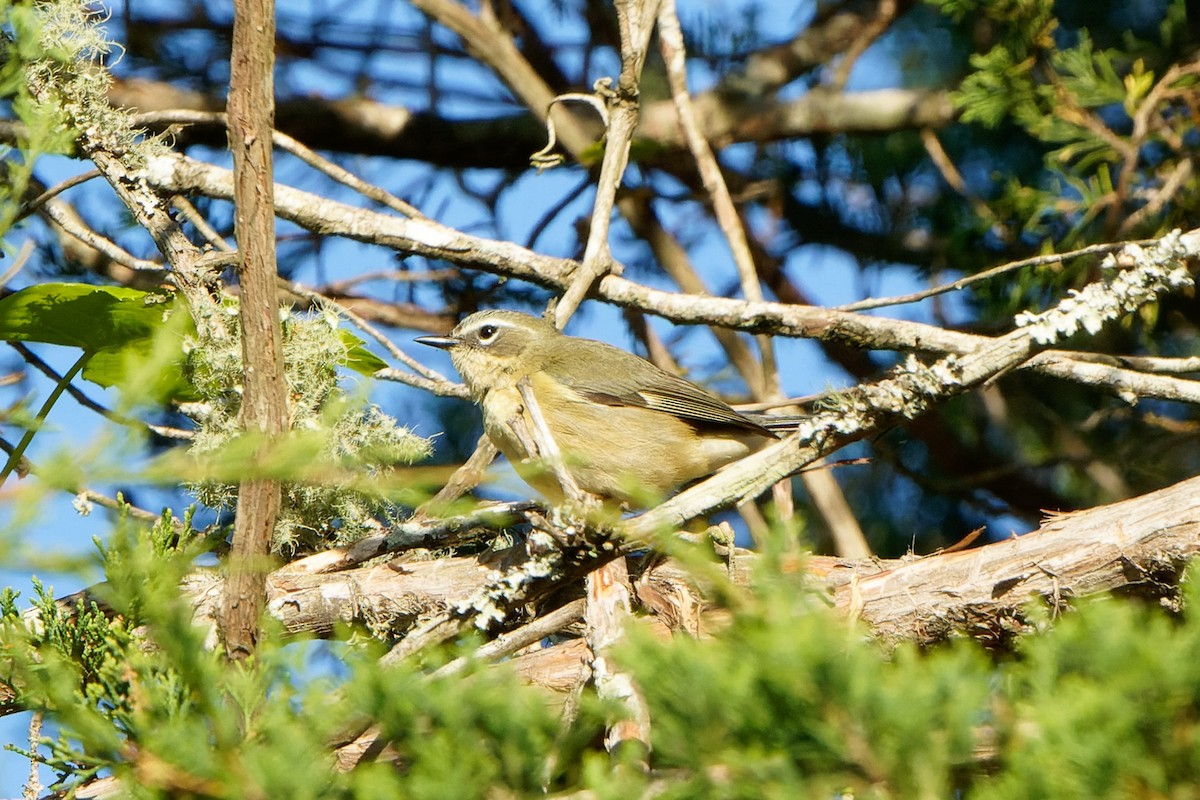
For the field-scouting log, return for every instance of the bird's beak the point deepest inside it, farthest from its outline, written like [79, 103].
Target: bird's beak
[440, 342]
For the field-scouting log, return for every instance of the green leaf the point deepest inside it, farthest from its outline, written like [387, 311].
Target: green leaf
[127, 331]
[136, 337]
[358, 357]
[77, 315]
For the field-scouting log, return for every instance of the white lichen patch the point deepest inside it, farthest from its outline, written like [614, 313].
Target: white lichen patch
[503, 590]
[1155, 270]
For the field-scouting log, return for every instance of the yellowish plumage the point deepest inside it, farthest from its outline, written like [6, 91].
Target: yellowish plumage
[627, 430]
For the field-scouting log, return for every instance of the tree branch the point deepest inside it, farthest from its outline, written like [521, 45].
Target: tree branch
[264, 402]
[175, 173]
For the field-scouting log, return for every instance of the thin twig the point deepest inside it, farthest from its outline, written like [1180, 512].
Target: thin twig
[445, 386]
[119, 505]
[1012, 266]
[674, 260]
[954, 179]
[15, 457]
[875, 27]
[1158, 364]
[555, 209]
[1179, 175]
[543, 447]
[831, 501]
[36, 361]
[74, 227]
[54, 191]
[464, 479]
[672, 46]
[193, 215]
[397, 275]
[289, 145]
[636, 21]
[344, 176]
[22, 259]
[438, 628]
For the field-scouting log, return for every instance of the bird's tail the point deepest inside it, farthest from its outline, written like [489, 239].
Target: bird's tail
[783, 423]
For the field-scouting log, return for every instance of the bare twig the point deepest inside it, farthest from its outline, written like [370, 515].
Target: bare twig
[872, 30]
[119, 505]
[83, 495]
[493, 45]
[831, 502]
[635, 20]
[345, 177]
[1012, 266]
[73, 225]
[432, 379]
[671, 44]
[397, 275]
[18, 264]
[38, 363]
[437, 628]
[673, 258]
[193, 215]
[539, 443]
[54, 191]
[290, 145]
[950, 174]
[465, 478]
[1163, 195]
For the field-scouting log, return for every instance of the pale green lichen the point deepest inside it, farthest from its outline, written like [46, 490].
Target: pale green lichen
[353, 439]
[73, 83]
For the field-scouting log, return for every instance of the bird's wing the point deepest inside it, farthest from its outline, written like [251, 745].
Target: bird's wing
[646, 386]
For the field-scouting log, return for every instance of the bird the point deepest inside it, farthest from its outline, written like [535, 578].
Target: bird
[628, 431]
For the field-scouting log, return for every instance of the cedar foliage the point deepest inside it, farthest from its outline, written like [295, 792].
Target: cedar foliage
[789, 700]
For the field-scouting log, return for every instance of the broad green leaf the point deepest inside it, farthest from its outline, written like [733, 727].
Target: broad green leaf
[136, 337]
[77, 315]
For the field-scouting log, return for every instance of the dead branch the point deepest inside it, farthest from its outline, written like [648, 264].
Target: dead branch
[178, 174]
[1137, 546]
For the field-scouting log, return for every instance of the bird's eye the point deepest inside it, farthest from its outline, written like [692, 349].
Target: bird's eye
[487, 332]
